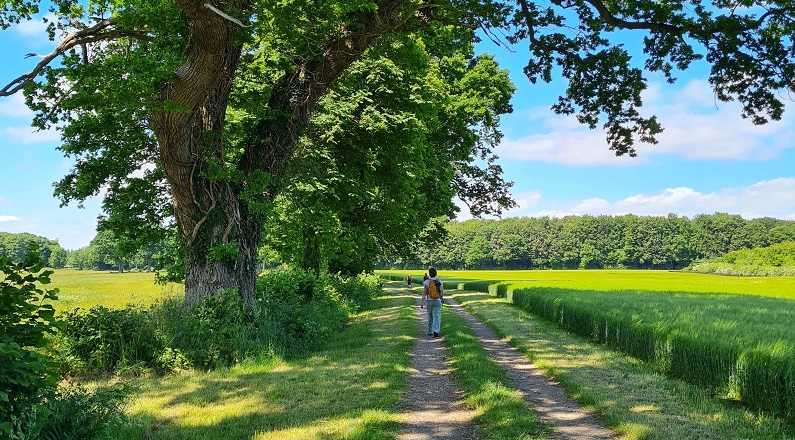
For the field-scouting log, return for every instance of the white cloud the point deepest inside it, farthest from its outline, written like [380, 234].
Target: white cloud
[14, 106]
[35, 28]
[768, 198]
[27, 135]
[9, 218]
[696, 125]
[525, 202]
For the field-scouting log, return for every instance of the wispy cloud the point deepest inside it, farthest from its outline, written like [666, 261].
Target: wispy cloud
[767, 198]
[9, 218]
[28, 135]
[14, 106]
[696, 127]
[35, 29]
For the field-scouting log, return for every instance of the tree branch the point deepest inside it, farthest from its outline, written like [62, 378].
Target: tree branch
[101, 31]
[621, 23]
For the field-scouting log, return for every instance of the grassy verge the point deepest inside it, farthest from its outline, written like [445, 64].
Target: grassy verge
[630, 396]
[347, 391]
[502, 412]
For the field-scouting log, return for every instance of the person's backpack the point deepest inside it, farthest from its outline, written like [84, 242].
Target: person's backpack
[435, 289]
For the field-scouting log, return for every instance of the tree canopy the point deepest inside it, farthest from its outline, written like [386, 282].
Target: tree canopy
[195, 115]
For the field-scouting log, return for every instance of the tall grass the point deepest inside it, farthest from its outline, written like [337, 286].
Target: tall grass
[741, 346]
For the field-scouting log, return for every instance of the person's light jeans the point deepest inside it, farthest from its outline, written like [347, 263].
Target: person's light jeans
[434, 307]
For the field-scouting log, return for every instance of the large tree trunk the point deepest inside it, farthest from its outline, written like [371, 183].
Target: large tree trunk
[215, 229]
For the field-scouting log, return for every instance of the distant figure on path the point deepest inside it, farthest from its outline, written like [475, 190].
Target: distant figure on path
[432, 295]
[409, 281]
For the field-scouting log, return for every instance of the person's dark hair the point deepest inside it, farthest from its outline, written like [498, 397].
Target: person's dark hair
[425, 277]
[432, 271]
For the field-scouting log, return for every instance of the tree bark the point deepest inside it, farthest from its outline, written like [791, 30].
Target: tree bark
[216, 236]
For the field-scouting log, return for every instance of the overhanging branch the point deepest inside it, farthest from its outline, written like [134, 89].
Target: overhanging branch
[101, 31]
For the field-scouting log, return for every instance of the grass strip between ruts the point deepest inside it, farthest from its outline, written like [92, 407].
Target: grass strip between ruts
[502, 412]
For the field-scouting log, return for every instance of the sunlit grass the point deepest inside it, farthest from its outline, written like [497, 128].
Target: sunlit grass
[86, 288]
[608, 280]
[502, 412]
[632, 398]
[350, 390]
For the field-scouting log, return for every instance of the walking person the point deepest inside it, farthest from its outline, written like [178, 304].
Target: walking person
[409, 281]
[432, 296]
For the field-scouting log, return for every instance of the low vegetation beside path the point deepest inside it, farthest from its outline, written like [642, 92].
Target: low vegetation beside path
[501, 411]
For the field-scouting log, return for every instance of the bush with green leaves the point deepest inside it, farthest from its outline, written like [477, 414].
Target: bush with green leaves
[775, 260]
[26, 318]
[295, 311]
[104, 339]
[298, 309]
[214, 332]
[358, 291]
[75, 413]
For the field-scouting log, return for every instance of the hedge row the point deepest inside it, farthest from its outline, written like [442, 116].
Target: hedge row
[761, 375]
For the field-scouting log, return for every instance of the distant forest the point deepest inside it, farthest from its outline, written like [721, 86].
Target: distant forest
[105, 252]
[18, 247]
[628, 241]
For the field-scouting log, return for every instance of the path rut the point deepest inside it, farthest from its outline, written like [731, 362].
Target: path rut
[433, 406]
[564, 416]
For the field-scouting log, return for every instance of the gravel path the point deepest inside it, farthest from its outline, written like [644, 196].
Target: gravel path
[432, 407]
[563, 415]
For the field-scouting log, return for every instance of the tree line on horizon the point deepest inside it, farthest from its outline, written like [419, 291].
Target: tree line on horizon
[105, 252]
[626, 241]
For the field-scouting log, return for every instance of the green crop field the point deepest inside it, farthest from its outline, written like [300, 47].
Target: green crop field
[85, 288]
[607, 280]
[739, 340]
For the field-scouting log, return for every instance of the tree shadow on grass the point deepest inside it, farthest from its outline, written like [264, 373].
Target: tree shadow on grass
[345, 391]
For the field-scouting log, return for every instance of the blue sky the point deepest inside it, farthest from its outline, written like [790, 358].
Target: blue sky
[708, 159]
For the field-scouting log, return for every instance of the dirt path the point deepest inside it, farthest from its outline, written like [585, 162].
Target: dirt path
[567, 420]
[432, 407]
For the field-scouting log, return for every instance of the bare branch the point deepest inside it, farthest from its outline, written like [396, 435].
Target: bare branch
[225, 16]
[101, 31]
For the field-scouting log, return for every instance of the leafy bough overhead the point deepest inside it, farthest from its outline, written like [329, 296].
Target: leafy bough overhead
[191, 110]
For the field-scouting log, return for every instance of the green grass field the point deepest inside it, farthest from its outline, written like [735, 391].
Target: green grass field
[86, 288]
[648, 280]
[731, 341]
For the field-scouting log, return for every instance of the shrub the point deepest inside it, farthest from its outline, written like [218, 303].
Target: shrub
[295, 311]
[213, 333]
[358, 291]
[298, 309]
[107, 340]
[25, 321]
[74, 413]
[775, 260]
